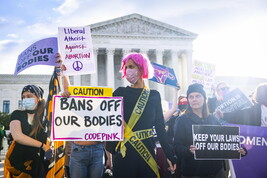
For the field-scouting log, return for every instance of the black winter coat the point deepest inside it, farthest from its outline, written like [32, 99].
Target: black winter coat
[250, 116]
[183, 138]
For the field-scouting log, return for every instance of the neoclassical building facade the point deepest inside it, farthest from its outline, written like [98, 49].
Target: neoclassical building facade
[162, 43]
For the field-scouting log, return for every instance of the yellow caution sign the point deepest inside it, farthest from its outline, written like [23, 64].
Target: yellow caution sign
[90, 91]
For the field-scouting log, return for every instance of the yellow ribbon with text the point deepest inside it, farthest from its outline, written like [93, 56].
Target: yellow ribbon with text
[135, 138]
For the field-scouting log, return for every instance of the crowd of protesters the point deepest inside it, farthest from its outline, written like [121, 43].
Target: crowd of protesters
[173, 128]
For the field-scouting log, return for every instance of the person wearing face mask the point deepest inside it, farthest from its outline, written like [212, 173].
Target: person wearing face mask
[221, 90]
[25, 155]
[181, 107]
[27, 149]
[134, 157]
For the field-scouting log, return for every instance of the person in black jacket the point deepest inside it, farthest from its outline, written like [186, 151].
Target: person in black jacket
[182, 105]
[142, 113]
[196, 114]
[25, 155]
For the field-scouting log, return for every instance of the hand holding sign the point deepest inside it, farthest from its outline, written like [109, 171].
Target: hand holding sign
[242, 151]
[192, 149]
[216, 142]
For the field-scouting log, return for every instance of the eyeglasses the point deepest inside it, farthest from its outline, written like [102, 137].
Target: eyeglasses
[223, 89]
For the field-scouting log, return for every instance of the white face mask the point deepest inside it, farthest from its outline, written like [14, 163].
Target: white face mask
[29, 103]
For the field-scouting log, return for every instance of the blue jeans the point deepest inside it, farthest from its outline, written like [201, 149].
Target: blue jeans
[87, 161]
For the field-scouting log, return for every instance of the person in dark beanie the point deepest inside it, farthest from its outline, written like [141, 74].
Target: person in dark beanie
[196, 114]
[25, 155]
[26, 152]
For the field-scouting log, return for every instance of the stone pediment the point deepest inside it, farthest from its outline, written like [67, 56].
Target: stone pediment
[138, 25]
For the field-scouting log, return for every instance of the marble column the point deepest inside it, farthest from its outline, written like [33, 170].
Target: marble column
[159, 60]
[144, 52]
[189, 65]
[94, 77]
[110, 67]
[175, 59]
[77, 80]
[125, 52]
[181, 71]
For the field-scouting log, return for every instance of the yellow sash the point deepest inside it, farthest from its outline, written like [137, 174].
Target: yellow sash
[135, 138]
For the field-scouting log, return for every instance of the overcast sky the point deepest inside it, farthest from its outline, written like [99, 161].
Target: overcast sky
[231, 33]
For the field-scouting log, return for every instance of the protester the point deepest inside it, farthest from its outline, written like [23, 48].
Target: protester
[25, 155]
[168, 118]
[196, 114]
[256, 115]
[86, 157]
[134, 156]
[221, 90]
[182, 105]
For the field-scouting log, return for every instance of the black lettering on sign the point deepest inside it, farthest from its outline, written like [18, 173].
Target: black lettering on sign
[67, 120]
[110, 105]
[76, 105]
[101, 120]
